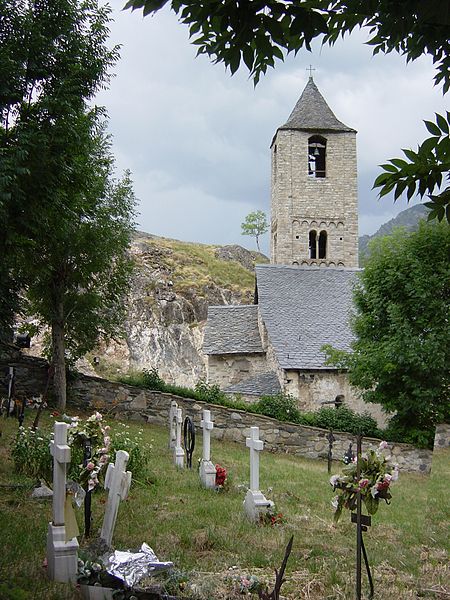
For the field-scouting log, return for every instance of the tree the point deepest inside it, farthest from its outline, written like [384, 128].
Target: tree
[401, 353]
[66, 223]
[255, 224]
[78, 272]
[259, 33]
[53, 59]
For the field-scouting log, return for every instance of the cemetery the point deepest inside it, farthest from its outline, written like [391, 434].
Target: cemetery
[215, 542]
[117, 484]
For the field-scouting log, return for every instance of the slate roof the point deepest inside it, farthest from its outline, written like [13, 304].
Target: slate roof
[304, 308]
[265, 384]
[232, 330]
[312, 113]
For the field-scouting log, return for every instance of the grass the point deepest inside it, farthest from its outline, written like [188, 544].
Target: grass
[194, 266]
[207, 537]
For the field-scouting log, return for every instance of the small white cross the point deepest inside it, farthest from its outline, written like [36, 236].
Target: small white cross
[118, 482]
[207, 425]
[172, 424]
[255, 445]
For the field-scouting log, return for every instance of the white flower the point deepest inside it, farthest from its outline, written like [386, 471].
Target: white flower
[383, 445]
[374, 491]
[387, 477]
[335, 502]
[334, 479]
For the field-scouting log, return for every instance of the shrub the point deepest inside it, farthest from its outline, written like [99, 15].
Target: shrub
[210, 393]
[31, 453]
[280, 406]
[152, 380]
[345, 419]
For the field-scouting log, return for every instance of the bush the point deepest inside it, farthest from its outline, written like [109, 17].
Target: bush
[345, 419]
[152, 380]
[210, 393]
[31, 453]
[280, 406]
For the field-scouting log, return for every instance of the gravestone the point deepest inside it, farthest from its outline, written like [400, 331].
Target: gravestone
[255, 502]
[207, 469]
[118, 482]
[173, 424]
[62, 559]
[178, 451]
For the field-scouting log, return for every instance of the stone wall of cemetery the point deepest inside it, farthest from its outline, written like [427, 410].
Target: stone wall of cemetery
[232, 425]
[30, 372]
[132, 403]
[442, 437]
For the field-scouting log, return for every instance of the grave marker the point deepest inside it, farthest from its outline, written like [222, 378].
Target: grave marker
[178, 452]
[173, 424]
[255, 502]
[118, 482]
[207, 469]
[61, 555]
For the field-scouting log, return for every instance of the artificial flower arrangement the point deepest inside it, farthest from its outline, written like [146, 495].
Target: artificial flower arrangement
[221, 476]
[271, 517]
[377, 472]
[93, 429]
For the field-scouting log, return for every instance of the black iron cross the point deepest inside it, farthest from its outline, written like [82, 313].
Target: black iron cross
[362, 522]
[189, 440]
[331, 439]
[310, 69]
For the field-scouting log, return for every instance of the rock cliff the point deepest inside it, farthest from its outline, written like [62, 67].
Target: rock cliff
[173, 285]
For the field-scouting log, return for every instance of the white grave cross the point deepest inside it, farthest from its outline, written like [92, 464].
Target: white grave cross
[61, 555]
[255, 445]
[61, 457]
[207, 469]
[118, 482]
[178, 450]
[173, 424]
[207, 425]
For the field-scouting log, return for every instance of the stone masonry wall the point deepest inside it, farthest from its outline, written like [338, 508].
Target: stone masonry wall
[314, 387]
[442, 436]
[228, 369]
[301, 203]
[233, 425]
[132, 403]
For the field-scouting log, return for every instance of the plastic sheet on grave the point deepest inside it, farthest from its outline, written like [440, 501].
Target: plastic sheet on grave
[131, 567]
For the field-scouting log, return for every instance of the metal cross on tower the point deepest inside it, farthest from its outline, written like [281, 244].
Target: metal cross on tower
[310, 69]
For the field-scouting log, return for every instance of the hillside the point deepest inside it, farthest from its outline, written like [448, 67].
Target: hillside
[173, 285]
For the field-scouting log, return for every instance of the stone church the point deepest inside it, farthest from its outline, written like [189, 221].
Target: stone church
[303, 298]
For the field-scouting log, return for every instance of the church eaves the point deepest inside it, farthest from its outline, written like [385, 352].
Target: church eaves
[312, 113]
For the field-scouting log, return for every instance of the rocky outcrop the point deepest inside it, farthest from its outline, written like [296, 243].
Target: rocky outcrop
[167, 308]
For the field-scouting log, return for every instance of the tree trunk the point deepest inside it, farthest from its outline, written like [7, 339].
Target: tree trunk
[59, 361]
[257, 244]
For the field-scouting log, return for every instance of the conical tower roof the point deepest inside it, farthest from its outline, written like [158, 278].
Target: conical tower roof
[312, 113]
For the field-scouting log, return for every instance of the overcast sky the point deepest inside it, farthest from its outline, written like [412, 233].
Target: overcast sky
[197, 140]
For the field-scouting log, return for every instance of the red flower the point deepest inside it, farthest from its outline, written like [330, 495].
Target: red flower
[221, 475]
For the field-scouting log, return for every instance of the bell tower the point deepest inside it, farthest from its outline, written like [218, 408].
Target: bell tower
[314, 205]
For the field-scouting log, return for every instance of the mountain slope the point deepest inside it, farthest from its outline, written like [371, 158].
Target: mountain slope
[408, 219]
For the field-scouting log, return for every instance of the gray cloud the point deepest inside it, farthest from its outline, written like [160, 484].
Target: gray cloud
[197, 140]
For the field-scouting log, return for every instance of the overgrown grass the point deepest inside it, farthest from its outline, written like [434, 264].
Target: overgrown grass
[195, 265]
[208, 538]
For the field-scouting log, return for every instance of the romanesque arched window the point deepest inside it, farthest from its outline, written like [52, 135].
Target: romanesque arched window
[317, 146]
[313, 244]
[323, 244]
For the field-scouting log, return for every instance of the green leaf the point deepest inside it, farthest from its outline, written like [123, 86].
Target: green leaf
[432, 128]
[442, 123]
